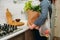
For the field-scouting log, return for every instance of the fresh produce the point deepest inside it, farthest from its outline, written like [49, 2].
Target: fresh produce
[36, 8]
[33, 12]
[29, 6]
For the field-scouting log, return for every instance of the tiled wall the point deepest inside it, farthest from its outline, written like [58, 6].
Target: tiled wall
[15, 10]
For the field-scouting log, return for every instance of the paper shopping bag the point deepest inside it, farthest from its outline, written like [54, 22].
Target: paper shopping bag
[32, 16]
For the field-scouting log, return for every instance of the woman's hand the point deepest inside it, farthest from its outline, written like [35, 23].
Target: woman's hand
[37, 27]
[33, 26]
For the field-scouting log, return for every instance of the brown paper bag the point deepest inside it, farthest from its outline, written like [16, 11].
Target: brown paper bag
[32, 16]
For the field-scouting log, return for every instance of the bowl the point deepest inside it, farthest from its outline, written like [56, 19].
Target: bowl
[17, 20]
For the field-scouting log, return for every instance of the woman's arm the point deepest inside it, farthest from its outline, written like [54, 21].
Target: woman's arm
[42, 18]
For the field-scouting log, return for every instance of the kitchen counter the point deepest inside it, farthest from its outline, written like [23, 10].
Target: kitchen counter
[17, 32]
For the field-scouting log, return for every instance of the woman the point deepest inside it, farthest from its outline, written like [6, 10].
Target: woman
[45, 7]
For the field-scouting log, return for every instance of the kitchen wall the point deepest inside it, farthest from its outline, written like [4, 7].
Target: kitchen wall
[14, 8]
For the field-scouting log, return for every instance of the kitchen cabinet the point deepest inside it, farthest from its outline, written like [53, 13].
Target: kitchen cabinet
[57, 19]
[27, 35]
[18, 37]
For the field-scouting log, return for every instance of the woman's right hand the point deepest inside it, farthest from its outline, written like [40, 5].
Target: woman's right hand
[37, 27]
[33, 26]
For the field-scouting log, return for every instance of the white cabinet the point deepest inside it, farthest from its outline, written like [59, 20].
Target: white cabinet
[57, 21]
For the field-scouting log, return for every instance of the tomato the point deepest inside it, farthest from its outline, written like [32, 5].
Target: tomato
[46, 32]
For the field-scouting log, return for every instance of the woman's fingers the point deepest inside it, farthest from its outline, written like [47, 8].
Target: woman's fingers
[32, 26]
[37, 27]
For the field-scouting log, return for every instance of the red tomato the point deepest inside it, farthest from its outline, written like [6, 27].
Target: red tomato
[46, 32]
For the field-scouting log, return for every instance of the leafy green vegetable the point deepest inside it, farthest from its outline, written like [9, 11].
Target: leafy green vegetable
[36, 8]
[29, 6]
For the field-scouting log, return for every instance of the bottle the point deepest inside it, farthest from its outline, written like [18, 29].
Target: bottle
[0, 26]
[15, 27]
[1, 33]
[6, 28]
[11, 29]
[4, 33]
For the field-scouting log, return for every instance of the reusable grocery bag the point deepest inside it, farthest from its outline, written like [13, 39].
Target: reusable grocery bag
[45, 27]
